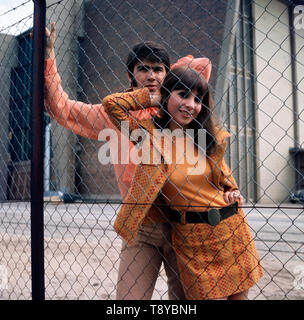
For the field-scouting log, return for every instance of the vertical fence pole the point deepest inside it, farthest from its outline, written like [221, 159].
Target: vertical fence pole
[37, 221]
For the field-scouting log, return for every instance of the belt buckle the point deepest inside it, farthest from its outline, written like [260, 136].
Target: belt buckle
[214, 217]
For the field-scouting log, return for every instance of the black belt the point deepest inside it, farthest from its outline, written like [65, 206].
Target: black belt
[213, 216]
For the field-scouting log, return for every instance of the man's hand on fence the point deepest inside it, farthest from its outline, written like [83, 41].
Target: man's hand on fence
[50, 42]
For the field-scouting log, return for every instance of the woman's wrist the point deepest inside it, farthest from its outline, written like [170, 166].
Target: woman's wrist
[155, 99]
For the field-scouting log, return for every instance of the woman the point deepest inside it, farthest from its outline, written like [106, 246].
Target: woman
[215, 251]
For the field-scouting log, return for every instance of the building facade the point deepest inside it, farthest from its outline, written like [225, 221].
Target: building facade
[257, 81]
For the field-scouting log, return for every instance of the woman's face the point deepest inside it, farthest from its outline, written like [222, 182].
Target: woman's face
[183, 106]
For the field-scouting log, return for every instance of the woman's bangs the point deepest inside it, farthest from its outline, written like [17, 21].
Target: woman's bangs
[190, 81]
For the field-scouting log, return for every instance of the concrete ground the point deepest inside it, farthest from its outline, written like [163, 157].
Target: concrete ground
[82, 251]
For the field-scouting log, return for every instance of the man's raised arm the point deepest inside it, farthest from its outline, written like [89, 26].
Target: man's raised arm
[83, 119]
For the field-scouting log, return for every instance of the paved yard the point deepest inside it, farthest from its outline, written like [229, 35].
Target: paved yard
[82, 251]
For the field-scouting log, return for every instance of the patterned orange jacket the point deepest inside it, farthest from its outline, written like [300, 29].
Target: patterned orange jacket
[149, 178]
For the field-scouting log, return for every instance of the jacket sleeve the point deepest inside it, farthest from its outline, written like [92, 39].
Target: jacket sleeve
[120, 106]
[227, 181]
[223, 178]
[83, 119]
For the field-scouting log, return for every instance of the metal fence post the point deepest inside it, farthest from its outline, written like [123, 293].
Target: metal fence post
[37, 221]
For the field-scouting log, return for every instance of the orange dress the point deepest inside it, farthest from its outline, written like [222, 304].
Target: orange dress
[214, 262]
[189, 186]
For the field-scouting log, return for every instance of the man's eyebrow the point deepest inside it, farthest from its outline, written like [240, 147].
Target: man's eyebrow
[158, 67]
[144, 66]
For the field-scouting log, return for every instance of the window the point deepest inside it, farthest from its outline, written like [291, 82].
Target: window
[239, 113]
[21, 101]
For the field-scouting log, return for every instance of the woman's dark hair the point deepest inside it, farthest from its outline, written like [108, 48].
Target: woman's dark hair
[150, 51]
[188, 79]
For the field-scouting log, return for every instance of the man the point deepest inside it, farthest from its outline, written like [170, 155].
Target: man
[147, 65]
[140, 263]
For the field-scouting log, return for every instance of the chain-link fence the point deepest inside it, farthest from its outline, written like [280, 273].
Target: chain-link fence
[256, 48]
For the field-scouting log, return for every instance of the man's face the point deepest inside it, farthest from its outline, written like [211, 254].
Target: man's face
[149, 75]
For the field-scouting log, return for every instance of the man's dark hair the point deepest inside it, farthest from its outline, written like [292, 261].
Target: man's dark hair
[149, 51]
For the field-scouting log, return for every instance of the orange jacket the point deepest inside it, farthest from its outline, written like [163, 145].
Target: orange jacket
[150, 178]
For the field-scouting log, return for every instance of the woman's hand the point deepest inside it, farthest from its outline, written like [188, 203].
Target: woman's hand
[50, 42]
[233, 196]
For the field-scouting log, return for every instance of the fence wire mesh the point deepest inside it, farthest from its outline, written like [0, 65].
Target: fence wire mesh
[257, 51]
